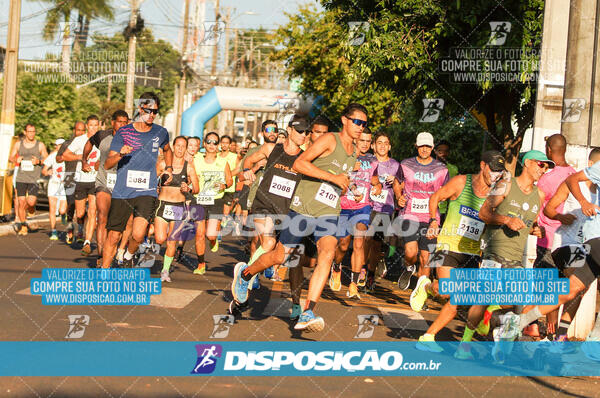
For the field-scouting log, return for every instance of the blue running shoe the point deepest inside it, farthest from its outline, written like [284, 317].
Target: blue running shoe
[296, 312]
[309, 322]
[254, 283]
[269, 272]
[239, 287]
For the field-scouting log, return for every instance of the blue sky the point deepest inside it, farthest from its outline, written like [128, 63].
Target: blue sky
[269, 14]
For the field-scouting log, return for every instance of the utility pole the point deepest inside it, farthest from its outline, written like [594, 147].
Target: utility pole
[251, 58]
[213, 69]
[135, 4]
[183, 66]
[9, 96]
[109, 89]
[227, 21]
[235, 49]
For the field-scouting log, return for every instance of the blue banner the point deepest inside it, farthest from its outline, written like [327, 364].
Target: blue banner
[97, 286]
[326, 358]
[504, 286]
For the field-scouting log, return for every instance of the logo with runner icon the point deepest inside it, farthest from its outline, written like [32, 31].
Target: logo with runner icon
[77, 325]
[207, 358]
[572, 109]
[500, 30]
[222, 325]
[432, 109]
[366, 326]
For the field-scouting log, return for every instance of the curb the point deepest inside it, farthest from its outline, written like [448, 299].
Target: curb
[8, 229]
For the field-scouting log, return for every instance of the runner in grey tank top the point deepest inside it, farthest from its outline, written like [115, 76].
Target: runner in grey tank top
[28, 154]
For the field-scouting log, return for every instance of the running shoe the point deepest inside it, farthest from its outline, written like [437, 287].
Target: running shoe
[79, 238]
[164, 276]
[404, 280]
[54, 235]
[63, 219]
[561, 346]
[419, 295]
[362, 278]
[239, 286]
[69, 238]
[215, 247]
[236, 308]
[128, 263]
[309, 322]
[353, 291]
[370, 285]
[427, 343]
[296, 312]
[269, 272]
[335, 279]
[87, 249]
[381, 270]
[23, 231]
[200, 270]
[464, 351]
[255, 285]
[120, 254]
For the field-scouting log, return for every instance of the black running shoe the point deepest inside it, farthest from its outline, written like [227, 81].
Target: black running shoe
[404, 280]
[128, 263]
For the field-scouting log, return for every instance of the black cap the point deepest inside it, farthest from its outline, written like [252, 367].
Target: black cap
[282, 131]
[494, 159]
[299, 123]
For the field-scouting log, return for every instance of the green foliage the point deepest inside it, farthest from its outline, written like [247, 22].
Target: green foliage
[399, 62]
[158, 57]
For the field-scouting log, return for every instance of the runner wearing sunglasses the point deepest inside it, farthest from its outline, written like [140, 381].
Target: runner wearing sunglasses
[214, 176]
[511, 216]
[314, 212]
[134, 150]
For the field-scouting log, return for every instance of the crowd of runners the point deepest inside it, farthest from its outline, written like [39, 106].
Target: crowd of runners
[309, 194]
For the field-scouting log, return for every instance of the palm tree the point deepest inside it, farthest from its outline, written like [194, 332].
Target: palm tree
[62, 12]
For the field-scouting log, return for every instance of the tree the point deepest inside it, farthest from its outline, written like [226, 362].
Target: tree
[158, 57]
[400, 61]
[62, 12]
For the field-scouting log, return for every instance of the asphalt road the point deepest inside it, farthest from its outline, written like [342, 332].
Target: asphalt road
[184, 312]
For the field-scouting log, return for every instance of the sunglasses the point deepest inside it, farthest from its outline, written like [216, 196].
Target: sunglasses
[305, 132]
[212, 142]
[149, 110]
[542, 165]
[358, 122]
[271, 130]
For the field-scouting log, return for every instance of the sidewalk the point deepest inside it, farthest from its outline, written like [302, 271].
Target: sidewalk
[34, 222]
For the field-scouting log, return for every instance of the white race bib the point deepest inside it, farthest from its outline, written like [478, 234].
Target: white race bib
[282, 187]
[111, 180]
[138, 179]
[26, 165]
[327, 195]
[419, 205]
[171, 212]
[381, 198]
[490, 264]
[470, 228]
[203, 199]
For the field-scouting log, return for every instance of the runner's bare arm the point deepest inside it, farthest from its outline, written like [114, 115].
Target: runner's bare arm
[562, 193]
[114, 156]
[450, 190]
[377, 186]
[250, 166]
[168, 154]
[398, 188]
[193, 179]
[488, 213]
[86, 152]
[572, 181]
[14, 156]
[323, 147]
[46, 170]
[69, 156]
[228, 177]
[43, 151]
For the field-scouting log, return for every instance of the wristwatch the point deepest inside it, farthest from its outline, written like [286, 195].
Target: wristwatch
[432, 219]
[169, 167]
